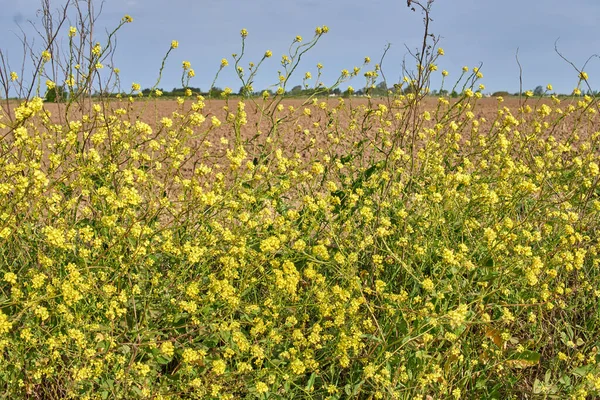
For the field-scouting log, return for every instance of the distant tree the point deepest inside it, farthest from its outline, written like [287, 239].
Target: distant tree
[296, 89]
[538, 91]
[58, 94]
[500, 93]
[454, 94]
[215, 91]
[443, 92]
[382, 86]
[336, 91]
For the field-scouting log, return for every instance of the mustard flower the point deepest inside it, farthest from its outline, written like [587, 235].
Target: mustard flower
[433, 67]
[307, 75]
[440, 51]
[5, 325]
[191, 73]
[14, 76]
[298, 39]
[224, 62]
[529, 93]
[135, 87]
[367, 60]
[465, 69]
[219, 367]
[244, 33]
[427, 284]
[268, 53]
[319, 30]
[167, 349]
[583, 76]
[72, 31]
[127, 19]
[548, 87]
[319, 66]
[10, 277]
[46, 56]
[325, 29]
[174, 44]
[186, 65]
[261, 387]
[444, 73]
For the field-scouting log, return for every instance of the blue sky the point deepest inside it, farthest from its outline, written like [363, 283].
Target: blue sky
[472, 32]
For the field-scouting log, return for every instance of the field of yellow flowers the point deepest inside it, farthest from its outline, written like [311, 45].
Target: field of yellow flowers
[407, 247]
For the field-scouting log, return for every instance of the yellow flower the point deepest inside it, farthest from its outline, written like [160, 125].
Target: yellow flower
[444, 73]
[261, 387]
[174, 44]
[127, 19]
[186, 65]
[583, 76]
[135, 87]
[367, 60]
[427, 284]
[50, 84]
[549, 87]
[72, 31]
[167, 349]
[465, 69]
[298, 39]
[219, 367]
[10, 277]
[325, 29]
[191, 73]
[14, 76]
[224, 62]
[319, 66]
[5, 325]
[46, 56]
[440, 51]
[268, 53]
[529, 93]
[244, 33]
[307, 75]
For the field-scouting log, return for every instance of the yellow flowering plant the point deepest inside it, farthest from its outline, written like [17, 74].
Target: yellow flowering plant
[276, 247]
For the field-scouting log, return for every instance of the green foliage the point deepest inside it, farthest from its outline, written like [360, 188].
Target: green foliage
[57, 94]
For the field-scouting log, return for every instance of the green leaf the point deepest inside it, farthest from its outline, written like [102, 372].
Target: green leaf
[311, 381]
